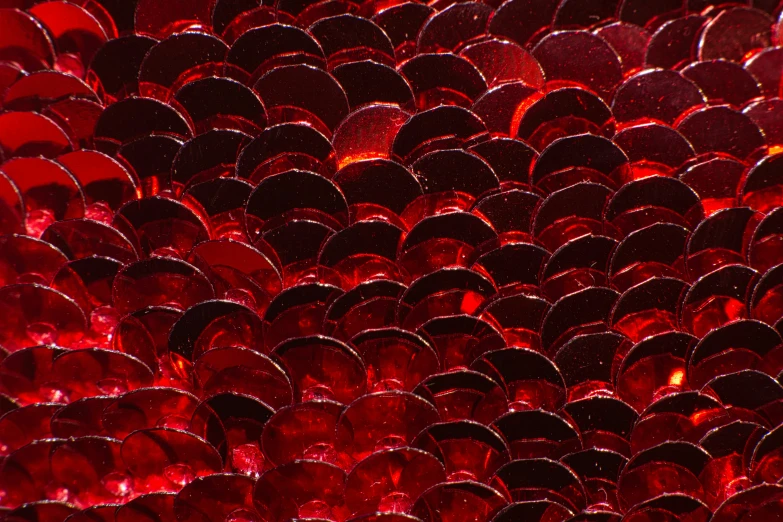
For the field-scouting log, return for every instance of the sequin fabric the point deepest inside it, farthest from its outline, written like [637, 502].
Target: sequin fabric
[381, 261]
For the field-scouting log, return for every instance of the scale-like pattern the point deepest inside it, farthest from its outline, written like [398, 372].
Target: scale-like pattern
[389, 261]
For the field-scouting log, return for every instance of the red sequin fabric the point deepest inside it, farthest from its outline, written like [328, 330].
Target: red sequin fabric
[391, 261]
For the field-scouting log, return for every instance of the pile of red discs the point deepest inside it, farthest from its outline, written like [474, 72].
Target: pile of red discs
[391, 261]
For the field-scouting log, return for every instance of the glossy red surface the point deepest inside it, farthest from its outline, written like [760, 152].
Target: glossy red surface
[387, 261]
